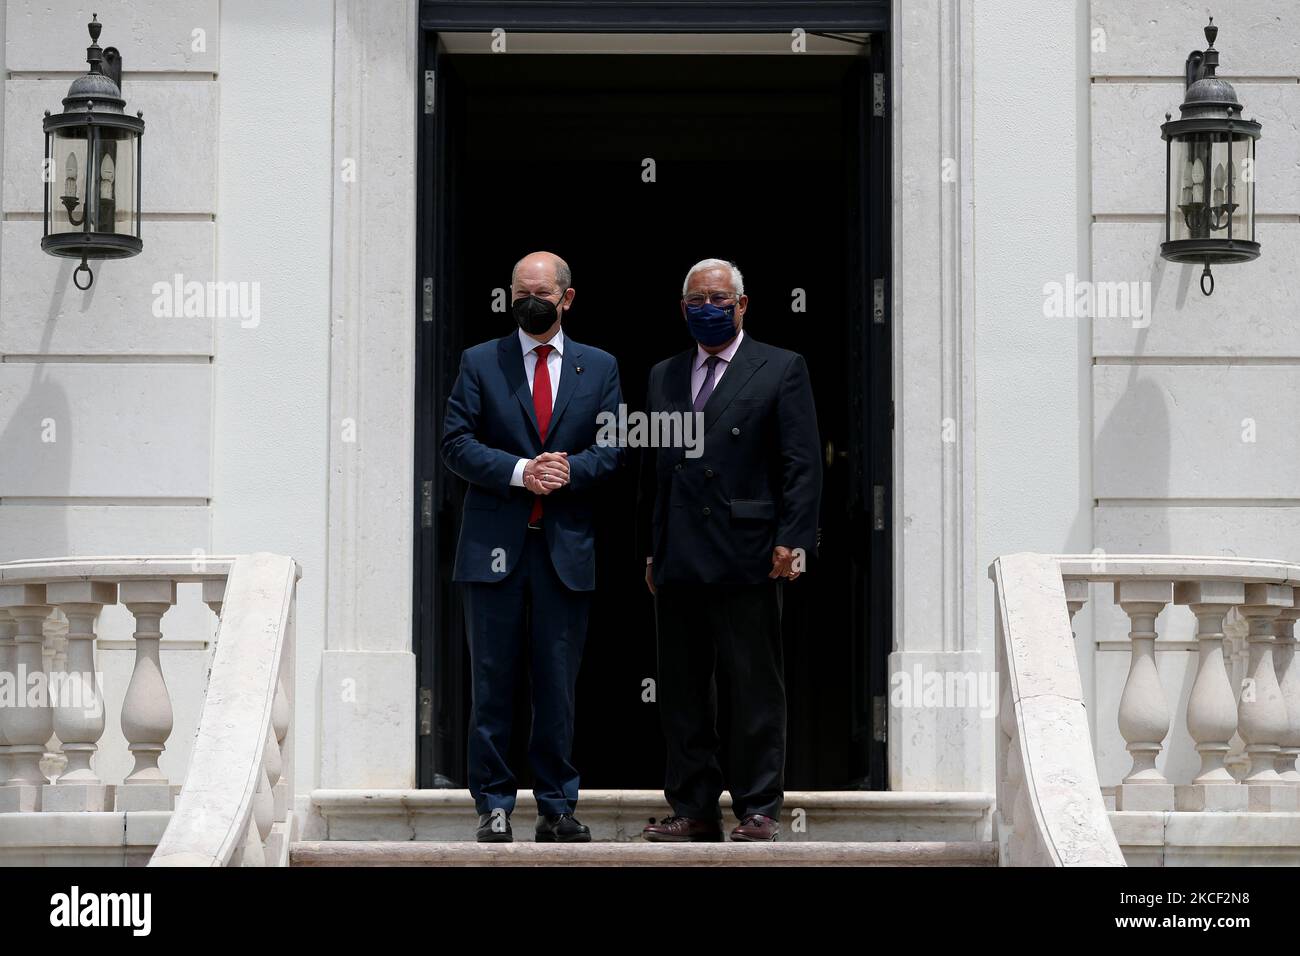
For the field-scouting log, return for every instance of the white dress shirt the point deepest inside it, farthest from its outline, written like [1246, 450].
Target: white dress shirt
[554, 362]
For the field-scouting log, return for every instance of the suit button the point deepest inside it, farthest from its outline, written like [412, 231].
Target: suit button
[706, 511]
[735, 431]
[677, 467]
[708, 472]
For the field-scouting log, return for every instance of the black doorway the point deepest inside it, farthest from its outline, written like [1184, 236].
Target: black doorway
[773, 162]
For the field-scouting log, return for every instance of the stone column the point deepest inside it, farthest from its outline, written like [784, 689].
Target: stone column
[368, 683]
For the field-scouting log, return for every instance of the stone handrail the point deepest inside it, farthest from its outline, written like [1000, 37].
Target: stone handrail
[236, 807]
[1245, 697]
[1050, 810]
[235, 804]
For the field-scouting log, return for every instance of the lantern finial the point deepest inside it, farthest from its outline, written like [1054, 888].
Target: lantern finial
[1211, 31]
[94, 55]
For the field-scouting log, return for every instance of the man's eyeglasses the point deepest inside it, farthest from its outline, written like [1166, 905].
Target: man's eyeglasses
[719, 299]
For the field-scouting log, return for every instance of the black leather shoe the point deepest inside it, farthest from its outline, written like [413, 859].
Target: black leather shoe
[494, 827]
[562, 828]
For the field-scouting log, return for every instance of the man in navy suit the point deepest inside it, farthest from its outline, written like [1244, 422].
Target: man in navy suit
[723, 531]
[521, 428]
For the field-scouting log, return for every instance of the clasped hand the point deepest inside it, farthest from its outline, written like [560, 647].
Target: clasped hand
[547, 472]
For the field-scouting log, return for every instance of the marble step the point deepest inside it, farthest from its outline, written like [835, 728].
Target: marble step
[433, 853]
[840, 816]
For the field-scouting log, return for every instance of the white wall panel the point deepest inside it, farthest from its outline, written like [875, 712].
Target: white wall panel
[120, 430]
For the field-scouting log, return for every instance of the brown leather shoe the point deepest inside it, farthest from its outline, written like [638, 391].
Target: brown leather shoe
[675, 829]
[756, 827]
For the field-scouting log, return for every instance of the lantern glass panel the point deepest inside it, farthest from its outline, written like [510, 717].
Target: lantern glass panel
[116, 182]
[1243, 191]
[68, 179]
[1223, 176]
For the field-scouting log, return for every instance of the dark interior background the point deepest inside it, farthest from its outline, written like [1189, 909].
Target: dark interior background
[757, 161]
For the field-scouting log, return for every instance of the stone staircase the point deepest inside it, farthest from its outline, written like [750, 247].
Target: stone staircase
[820, 828]
[636, 853]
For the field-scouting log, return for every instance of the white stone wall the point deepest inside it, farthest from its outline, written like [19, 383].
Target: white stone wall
[1195, 436]
[105, 410]
[176, 435]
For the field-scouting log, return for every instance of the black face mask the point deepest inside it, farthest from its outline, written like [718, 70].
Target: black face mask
[534, 315]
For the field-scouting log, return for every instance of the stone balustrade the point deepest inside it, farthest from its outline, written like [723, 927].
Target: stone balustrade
[1242, 711]
[52, 714]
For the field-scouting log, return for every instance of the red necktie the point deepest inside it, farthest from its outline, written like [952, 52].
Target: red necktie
[542, 406]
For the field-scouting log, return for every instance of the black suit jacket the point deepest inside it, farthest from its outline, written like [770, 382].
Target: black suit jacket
[756, 482]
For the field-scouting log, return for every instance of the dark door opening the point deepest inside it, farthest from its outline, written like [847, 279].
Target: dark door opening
[633, 168]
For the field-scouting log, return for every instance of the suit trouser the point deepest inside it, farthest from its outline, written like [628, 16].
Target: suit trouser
[529, 622]
[722, 641]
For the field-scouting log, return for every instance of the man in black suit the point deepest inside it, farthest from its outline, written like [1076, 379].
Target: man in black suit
[522, 429]
[723, 528]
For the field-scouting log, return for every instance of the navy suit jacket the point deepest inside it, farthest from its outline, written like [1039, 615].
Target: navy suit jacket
[716, 518]
[491, 424]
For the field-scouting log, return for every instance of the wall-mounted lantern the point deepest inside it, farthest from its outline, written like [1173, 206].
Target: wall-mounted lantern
[92, 167]
[1209, 171]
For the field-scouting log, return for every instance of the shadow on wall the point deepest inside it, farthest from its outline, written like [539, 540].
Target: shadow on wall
[36, 443]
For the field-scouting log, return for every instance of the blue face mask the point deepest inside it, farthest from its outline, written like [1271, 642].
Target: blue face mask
[711, 325]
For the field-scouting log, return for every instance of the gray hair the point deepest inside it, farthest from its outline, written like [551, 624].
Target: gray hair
[737, 279]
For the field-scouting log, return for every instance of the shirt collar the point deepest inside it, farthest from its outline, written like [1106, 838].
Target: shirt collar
[726, 354]
[556, 341]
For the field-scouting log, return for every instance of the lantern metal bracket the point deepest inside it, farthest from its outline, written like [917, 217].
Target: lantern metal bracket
[113, 65]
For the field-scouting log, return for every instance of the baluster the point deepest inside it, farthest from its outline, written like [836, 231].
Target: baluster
[279, 728]
[1235, 630]
[1211, 705]
[1261, 714]
[1143, 710]
[1288, 670]
[7, 629]
[55, 662]
[251, 853]
[263, 801]
[147, 708]
[79, 709]
[30, 721]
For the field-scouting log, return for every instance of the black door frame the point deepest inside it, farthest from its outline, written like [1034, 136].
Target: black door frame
[439, 665]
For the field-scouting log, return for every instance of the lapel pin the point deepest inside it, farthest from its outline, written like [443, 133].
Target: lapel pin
[578, 369]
